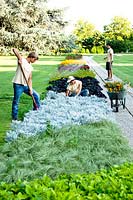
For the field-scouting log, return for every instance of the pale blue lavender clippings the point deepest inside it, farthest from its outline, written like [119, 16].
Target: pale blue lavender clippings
[60, 111]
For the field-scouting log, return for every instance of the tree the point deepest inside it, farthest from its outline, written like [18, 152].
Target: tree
[119, 29]
[83, 30]
[97, 39]
[29, 25]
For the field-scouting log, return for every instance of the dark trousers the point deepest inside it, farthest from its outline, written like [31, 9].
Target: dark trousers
[83, 93]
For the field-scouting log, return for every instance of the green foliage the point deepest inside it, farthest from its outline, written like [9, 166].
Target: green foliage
[115, 183]
[49, 129]
[100, 50]
[94, 49]
[82, 50]
[72, 149]
[83, 29]
[73, 56]
[79, 74]
[118, 32]
[97, 40]
[83, 73]
[29, 25]
[87, 51]
[119, 29]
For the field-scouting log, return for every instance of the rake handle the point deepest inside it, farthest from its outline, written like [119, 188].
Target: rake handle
[34, 102]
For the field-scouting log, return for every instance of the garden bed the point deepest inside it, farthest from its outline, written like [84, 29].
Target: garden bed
[89, 83]
[59, 111]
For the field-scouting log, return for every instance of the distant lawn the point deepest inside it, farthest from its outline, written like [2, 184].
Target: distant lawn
[43, 69]
[122, 65]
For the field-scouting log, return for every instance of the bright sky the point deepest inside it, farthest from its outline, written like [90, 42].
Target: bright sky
[97, 12]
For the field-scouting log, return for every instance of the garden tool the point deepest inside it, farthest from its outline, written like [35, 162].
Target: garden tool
[34, 102]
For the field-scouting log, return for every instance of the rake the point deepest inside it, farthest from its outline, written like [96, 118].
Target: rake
[34, 102]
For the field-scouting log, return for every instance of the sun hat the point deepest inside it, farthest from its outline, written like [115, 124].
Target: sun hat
[70, 78]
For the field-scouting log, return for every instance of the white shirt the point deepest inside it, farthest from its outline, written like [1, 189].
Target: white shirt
[27, 68]
[110, 55]
[74, 87]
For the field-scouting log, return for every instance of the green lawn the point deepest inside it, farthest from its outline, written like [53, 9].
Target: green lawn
[43, 69]
[122, 66]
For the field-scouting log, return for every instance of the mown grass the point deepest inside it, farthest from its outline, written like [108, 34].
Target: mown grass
[75, 149]
[122, 66]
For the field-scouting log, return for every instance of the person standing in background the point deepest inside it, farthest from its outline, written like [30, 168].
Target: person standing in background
[109, 61]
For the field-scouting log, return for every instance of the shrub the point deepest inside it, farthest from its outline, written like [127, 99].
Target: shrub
[73, 56]
[94, 49]
[87, 51]
[83, 51]
[100, 50]
[81, 73]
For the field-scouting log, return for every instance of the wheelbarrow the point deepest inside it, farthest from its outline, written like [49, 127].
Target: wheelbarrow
[117, 99]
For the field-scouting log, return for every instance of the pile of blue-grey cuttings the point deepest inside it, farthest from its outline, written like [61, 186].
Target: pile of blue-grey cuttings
[59, 111]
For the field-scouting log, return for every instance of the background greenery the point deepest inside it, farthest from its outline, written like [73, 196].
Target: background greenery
[31, 25]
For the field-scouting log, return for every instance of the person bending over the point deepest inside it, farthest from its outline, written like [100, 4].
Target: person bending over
[74, 88]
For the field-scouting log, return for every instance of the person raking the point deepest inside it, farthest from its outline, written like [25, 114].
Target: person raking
[22, 81]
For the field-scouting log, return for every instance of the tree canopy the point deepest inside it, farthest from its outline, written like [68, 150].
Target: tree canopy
[119, 29]
[83, 30]
[29, 24]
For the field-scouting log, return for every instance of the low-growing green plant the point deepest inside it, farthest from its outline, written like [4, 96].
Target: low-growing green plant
[112, 184]
[84, 73]
[73, 56]
[73, 149]
[81, 73]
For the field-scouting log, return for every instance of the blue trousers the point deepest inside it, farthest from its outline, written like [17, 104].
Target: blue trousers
[18, 90]
[83, 93]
